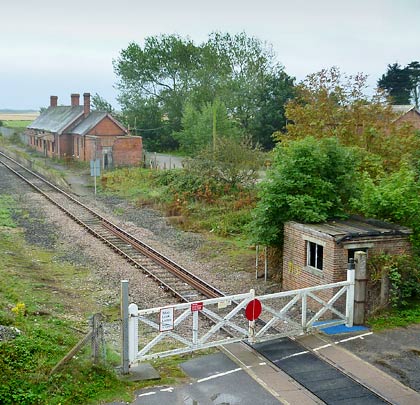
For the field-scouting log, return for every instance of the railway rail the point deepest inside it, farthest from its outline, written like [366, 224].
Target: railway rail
[175, 279]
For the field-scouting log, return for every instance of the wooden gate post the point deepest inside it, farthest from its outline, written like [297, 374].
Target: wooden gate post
[97, 337]
[360, 287]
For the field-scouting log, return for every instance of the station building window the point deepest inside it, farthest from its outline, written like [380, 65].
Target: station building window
[314, 255]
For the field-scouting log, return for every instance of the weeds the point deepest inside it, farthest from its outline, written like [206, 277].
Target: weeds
[394, 318]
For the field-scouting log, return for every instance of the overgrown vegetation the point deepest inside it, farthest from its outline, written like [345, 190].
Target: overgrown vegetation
[403, 273]
[309, 181]
[396, 317]
[214, 192]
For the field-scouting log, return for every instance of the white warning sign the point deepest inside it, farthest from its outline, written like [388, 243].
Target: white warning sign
[166, 319]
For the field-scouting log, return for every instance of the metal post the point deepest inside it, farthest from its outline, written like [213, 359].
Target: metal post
[94, 162]
[124, 327]
[257, 251]
[251, 324]
[350, 294]
[195, 328]
[265, 264]
[94, 174]
[360, 287]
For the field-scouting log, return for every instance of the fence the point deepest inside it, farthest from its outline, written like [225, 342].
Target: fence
[182, 328]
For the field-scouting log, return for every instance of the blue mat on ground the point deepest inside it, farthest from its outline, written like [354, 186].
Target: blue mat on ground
[337, 329]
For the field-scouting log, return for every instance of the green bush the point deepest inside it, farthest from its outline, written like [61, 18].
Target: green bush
[403, 272]
[310, 181]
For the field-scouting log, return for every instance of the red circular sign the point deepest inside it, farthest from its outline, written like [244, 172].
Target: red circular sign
[253, 310]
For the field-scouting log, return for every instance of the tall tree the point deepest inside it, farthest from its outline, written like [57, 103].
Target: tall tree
[329, 104]
[236, 69]
[160, 71]
[200, 127]
[414, 73]
[257, 86]
[269, 116]
[100, 104]
[397, 83]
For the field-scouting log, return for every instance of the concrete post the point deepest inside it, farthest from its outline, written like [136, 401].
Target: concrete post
[360, 259]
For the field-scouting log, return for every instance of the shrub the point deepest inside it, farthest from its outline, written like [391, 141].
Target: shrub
[403, 272]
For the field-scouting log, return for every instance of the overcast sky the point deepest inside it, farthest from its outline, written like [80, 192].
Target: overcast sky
[61, 47]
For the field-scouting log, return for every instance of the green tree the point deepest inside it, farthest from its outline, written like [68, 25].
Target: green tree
[170, 71]
[414, 73]
[330, 104]
[397, 83]
[200, 127]
[161, 71]
[393, 198]
[100, 104]
[145, 118]
[269, 116]
[231, 161]
[310, 181]
[256, 87]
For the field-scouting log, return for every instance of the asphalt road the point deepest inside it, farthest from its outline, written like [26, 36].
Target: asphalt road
[215, 380]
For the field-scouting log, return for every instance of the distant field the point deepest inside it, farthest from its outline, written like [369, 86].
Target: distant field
[18, 116]
[16, 124]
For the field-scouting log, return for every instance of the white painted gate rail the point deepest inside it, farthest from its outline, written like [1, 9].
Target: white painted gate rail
[176, 329]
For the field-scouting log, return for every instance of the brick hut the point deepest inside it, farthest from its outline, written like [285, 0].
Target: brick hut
[317, 254]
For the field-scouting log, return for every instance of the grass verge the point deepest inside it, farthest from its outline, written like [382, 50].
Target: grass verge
[49, 301]
[394, 318]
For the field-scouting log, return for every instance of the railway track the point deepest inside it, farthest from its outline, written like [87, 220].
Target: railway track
[175, 279]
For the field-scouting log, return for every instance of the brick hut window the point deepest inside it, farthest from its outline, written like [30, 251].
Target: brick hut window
[314, 255]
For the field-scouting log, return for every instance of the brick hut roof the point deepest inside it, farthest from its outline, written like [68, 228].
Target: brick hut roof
[358, 227]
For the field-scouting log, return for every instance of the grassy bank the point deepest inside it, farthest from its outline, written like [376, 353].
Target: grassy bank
[49, 302]
[395, 318]
[194, 203]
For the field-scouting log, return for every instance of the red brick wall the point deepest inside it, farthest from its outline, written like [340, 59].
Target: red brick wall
[127, 151]
[297, 275]
[38, 144]
[106, 127]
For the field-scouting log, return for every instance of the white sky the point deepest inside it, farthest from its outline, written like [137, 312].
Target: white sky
[61, 47]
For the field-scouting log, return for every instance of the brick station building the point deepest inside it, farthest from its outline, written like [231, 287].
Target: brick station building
[316, 254]
[81, 134]
[407, 114]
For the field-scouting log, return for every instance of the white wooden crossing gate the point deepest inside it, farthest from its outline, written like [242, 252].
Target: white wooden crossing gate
[181, 328]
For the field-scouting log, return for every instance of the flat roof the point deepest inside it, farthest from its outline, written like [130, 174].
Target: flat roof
[357, 227]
